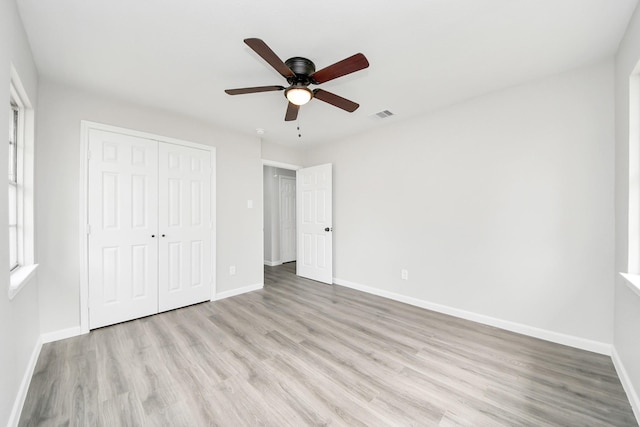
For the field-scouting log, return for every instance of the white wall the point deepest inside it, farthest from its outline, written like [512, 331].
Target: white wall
[283, 154]
[627, 303]
[271, 193]
[501, 206]
[19, 324]
[238, 169]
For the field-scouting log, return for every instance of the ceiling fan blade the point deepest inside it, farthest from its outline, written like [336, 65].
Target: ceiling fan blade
[253, 90]
[268, 55]
[335, 100]
[292, 112]
[350, 65]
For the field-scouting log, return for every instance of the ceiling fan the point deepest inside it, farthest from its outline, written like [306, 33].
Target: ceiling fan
[300, 73]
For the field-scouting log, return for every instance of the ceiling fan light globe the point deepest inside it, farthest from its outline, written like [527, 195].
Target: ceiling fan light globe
[298, 95]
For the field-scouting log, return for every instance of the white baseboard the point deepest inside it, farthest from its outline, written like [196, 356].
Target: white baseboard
[569, 340]
[61, 334]
[24, 385]
[239, 291]
[272, 263]
[632, 395]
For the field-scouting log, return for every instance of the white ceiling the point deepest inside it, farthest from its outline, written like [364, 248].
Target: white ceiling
[180, 55]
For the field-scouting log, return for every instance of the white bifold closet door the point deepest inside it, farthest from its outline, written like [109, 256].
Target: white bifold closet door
[150, 222]
[185, 226]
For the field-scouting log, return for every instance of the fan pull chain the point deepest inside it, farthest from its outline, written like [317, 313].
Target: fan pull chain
[299, 133]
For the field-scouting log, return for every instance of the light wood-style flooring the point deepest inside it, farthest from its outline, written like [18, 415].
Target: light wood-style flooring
[302, 353]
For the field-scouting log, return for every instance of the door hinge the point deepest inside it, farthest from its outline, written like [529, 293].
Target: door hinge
[88, 229]
[88, 154]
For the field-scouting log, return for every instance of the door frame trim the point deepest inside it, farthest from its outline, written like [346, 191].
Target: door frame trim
[280, 165]
[85, 127]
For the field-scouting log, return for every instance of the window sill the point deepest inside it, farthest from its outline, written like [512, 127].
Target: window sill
[21, 277]
[633, 282]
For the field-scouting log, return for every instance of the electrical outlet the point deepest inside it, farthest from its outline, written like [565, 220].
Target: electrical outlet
[232, 270]
[249, 204]
[404, 274]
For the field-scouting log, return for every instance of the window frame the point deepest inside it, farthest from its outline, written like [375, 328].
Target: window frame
[14, 141]
[21, 274]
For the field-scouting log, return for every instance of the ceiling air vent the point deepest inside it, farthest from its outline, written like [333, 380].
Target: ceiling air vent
[382, 115]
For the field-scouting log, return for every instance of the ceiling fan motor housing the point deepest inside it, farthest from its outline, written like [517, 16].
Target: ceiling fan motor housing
[303, 69]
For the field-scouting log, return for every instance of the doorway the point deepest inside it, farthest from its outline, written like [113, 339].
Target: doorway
[279, 192]
[298, 218]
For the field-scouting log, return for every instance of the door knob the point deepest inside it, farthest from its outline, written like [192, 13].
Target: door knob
[153, 235]
[328, 229]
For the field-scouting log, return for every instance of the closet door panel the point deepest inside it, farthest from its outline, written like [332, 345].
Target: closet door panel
[122, 211]
[185, 224]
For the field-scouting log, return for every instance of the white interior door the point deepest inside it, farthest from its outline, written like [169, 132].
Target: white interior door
[287, 218]
[185, 223]
[315, 229]
[123, 224]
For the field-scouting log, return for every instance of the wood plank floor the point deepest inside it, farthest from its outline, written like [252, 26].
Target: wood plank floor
[302, 353]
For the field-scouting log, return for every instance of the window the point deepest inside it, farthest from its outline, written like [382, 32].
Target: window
[633, 268]
[20, 191]
[13, 186]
